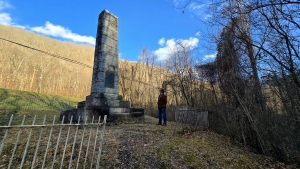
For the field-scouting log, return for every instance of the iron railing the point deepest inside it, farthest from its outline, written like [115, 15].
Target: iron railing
[54, 145]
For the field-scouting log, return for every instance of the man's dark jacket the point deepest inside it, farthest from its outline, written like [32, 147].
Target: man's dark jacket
[162, 101]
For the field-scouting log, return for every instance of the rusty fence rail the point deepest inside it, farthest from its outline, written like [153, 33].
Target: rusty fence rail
[54, 145]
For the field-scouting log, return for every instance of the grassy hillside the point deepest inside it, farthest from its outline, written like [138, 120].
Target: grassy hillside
[20, 103]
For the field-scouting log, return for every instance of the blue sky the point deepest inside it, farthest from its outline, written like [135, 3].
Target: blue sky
[157, 24]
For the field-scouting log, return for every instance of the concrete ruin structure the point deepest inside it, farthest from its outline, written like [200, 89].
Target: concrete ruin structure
[104, 98]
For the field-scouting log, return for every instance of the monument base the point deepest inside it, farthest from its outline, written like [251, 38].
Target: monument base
[88, 113]
[97, 106]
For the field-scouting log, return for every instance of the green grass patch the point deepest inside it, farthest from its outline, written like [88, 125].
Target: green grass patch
[20, 103]
[203, 151]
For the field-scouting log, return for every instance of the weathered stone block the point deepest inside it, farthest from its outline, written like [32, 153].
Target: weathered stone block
[100, 102]
[84, 113]
[118, 116]
[113, 35]
[109, 41]
[109, 25]
[74, 113]
[108, 50]
[113, 19]
[96, 111]
[137, 112]
[81, 104]
[125, 104]
[106, 15]
[116, 110]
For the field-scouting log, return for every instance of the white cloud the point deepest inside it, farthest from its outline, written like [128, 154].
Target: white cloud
[171, 45]
[207, 16]
[198, 33]
[190, 43]
[161, 41]
[5, 19]
[61, 32]
[210, 57]
[178, 2]
[4, 5]
[196, 6]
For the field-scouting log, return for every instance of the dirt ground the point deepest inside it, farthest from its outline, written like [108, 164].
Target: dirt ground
[146, 145]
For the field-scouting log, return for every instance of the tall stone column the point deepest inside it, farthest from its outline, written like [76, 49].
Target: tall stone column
[105, 71]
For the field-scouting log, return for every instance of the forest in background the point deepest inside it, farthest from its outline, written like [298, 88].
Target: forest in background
[251, 90]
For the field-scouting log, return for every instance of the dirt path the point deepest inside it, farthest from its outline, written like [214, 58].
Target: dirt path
[146, 145]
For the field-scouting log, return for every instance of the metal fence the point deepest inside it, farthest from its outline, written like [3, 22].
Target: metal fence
[54, 145]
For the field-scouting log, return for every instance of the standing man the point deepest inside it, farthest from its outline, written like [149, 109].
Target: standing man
[162, 103]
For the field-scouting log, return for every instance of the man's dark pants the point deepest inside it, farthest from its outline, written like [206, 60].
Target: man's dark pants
[162, 112]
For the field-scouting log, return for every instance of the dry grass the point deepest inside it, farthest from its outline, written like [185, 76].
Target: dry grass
[146, 145]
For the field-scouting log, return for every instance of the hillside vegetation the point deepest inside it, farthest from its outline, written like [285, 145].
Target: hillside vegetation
[30, 70]
[20, 103]
[26, 69]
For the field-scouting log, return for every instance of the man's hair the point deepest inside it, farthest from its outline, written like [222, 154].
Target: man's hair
[162, 90]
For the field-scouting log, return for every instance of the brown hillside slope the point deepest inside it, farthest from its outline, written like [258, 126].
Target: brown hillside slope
[26, 69]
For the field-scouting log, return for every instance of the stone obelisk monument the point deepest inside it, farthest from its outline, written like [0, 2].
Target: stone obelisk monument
[104, 98]
[105, 81]
[105, 72]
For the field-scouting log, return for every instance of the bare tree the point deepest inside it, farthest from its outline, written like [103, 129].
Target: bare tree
[263, 79]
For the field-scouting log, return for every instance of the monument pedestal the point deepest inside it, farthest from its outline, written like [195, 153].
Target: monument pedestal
[87, 112]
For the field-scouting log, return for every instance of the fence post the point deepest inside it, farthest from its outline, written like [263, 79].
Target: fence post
[70, 164]
[16, 144]
[5, 135]
[101, 140]
[27, 144]
[95, 143]
[48, 143]
[88, 145]
[82, 137]
[58, 139]
[38, 143]
[63, 156]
